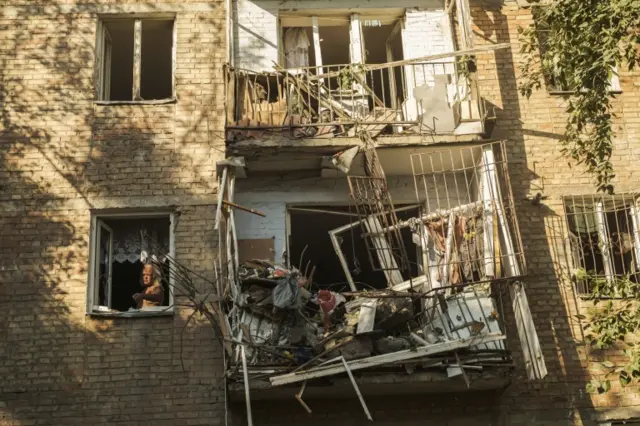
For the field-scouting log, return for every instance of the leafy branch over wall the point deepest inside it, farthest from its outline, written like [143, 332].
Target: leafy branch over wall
[580, 43]
[615, 320]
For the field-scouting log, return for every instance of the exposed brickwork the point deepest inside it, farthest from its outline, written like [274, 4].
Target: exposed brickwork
[533, 128]
[63, 155]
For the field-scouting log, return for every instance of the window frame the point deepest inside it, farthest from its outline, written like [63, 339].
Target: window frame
[94, 236]
[597, 201]
[102, 76]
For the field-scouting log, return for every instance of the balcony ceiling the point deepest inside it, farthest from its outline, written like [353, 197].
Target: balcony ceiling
[395, 161]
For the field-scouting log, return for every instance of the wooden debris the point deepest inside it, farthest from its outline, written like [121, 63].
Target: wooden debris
[330, 370]
[246, 209]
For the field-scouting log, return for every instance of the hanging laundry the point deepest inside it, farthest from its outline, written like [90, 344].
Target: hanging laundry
[296, 48]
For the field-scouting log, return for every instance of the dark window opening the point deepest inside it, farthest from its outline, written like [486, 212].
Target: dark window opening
[382, 45]
[156, 81]
[311, 230]
[117, 60]
[119, 69]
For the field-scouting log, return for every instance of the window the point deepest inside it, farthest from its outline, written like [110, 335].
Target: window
[603, 236]
[129, 271]
[558, 81]
[364, 267]
[135, 59]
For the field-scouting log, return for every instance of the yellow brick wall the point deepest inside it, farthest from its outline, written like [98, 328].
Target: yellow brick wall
[533, 128]
[62, 155]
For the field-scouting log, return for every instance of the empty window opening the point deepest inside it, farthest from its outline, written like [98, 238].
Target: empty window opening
[334, 44]
[119, 67]
[135, 59]
[383, 44]
[311, 230]
[156, 73]
[125, 251]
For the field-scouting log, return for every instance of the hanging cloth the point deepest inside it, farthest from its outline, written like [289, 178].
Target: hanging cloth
[296, 48]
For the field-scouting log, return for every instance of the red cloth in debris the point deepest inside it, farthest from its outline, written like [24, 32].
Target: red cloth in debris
[327, 300]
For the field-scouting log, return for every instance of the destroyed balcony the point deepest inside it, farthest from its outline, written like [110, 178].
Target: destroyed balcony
[449, 270]
[401, 98]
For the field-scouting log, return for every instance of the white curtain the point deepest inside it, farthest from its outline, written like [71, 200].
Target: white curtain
[296, 47]
[137, 240]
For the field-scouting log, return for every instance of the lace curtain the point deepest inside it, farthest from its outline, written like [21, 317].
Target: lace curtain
[138, 240]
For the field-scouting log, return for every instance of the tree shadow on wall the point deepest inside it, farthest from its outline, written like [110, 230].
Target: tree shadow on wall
[60, 154]
[561, 397]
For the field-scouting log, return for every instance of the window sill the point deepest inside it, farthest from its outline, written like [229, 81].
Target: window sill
[142, 102]
[569, 92]
[164, 312]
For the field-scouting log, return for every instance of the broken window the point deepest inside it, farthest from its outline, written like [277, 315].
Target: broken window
[130, 271]
[603, 235]
[135, 59]
[313, 248]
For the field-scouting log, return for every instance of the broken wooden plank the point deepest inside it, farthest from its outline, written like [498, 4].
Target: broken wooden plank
[330, 370]
[383, 251]
[357, 389]
[533, 356]
[221, 187]
[343, 260]
[379, 122]
[455, 53]
[243, 208]
[247, 395]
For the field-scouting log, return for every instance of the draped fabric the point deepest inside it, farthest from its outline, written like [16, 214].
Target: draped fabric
[466, 261]
[140, 239]
[296, 48]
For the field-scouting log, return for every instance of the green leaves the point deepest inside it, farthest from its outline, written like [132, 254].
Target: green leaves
[600, 387]
[573, 46]
[614, 323]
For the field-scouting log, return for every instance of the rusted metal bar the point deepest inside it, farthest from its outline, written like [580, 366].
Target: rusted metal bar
[243, 208]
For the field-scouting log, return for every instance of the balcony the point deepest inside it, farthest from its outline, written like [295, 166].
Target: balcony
[420, 296]
[403, 98]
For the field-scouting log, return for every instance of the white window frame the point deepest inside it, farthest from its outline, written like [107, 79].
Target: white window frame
[104, 52]
[94, 239]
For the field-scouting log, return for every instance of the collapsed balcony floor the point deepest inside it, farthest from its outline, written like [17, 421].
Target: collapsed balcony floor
[387, 383]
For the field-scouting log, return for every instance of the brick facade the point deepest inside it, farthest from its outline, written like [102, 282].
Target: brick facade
[62, 155]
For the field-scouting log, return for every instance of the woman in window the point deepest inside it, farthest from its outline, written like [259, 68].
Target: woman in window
[153, 293]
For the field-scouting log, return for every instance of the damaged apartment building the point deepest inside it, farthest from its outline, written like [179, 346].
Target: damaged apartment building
[298, 212]
[374, 231]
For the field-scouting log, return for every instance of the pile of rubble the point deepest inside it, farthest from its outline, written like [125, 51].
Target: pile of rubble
[287, 322]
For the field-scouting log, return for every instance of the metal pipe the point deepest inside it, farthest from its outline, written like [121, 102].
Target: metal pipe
[247, 395]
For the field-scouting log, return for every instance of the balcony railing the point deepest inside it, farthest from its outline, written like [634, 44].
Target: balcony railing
[340, 100]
